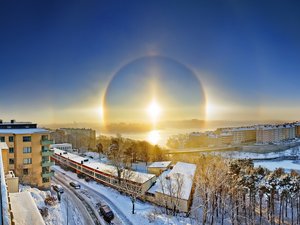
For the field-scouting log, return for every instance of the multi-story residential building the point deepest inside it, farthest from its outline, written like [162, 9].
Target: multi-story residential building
[15, 205]
[297, 129]
[80, 138]
[28, 152]
[275, 133]
[243, 135]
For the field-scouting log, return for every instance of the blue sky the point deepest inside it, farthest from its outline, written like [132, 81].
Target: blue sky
[57, 56]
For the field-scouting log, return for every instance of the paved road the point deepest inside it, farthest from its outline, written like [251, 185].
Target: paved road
[76, 202]
[115, 208]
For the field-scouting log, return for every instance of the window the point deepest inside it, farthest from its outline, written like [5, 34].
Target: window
[25, 171]
[2, 139]
[27, 150]
[27, 161]
[44, 137]
[11, 161]
[11, 138]
[26, 138]
[46, 180]
[11, 150]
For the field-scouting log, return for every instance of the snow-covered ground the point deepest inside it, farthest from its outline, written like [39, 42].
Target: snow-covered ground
[250, 155]
[145, 213]
[285, 164]
[58, 213]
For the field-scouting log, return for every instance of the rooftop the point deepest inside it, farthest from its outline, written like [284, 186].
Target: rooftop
[134, 176]
[24, 209]
[23, 131]
[181, 178]
[163, 164]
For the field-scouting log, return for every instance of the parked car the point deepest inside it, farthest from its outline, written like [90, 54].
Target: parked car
[87, 179]
[107, 213]
[58, 188]
[75, 185]
[80, 175]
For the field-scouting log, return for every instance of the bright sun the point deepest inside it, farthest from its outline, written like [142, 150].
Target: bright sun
[154, 110]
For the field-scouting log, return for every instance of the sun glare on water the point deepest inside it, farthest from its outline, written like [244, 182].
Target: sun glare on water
[154, 137]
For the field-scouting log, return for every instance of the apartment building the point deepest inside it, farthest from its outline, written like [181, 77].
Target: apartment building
[297, 129]
[275, 133]
[28, 152]
[15, 205]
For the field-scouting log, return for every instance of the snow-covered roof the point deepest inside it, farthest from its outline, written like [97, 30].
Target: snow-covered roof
[23, 131]
[181, 178]
[24, 209]
[163, 164]
[3, 145]
[134, 176]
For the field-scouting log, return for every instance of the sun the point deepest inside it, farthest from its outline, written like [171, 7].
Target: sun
[154, 111]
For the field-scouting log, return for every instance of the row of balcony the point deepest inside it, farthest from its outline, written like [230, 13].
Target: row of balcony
[47, 174]
[46, 142]
[47, 163]
[47, 152]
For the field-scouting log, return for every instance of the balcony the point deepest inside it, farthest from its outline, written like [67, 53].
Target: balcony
[46, 142]
[47, 174]
[47, 163]
[47, 152]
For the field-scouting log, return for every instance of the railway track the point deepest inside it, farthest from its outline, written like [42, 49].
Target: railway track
[88, 207]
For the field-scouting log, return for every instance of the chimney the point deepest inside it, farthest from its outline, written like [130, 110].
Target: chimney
[12, 121]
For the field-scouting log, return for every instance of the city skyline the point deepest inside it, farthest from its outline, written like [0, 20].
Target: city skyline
[59, 60]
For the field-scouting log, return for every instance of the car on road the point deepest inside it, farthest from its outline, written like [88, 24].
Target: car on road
[58, 188]
[107, 213]
[87, 179]
[75, 185]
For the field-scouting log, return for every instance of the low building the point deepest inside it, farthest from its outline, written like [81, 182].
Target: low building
[129, 181]
[158, 167]
[64, 146]
[173, 188]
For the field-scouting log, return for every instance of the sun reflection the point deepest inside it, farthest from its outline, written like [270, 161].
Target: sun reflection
[154, 137]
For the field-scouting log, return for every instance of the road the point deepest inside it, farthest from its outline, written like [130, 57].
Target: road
[88, 216]
[121, 217]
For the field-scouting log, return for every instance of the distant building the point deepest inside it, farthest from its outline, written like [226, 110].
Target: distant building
[297, 130]
[158, 167]
[243, 135]
[64, 146]
[28, 154]
[275, 133]
[80, 138]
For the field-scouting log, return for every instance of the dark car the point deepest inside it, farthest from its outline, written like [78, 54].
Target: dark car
[80, 175]
[75, 185]
[107, 213]
[87, 179]
[58, 188]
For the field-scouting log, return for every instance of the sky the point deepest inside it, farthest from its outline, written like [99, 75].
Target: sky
[58, 58]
